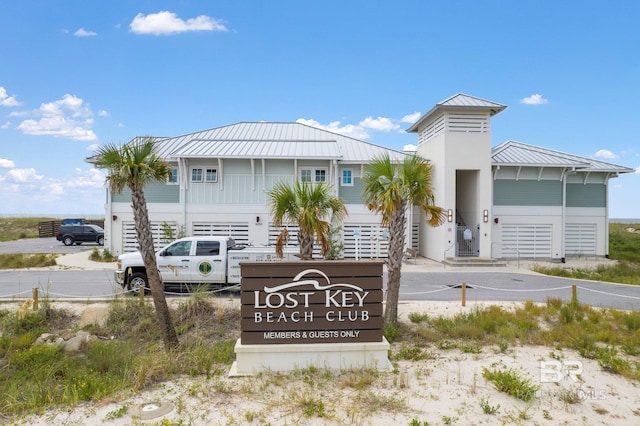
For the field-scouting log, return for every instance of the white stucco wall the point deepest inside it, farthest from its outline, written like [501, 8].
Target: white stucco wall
[449, 153]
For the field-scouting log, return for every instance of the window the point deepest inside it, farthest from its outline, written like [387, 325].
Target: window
[211, 175]
[196, 175]
[347, 177]
[173, 179]
[181, 248]
[313, 175]
[208, 248]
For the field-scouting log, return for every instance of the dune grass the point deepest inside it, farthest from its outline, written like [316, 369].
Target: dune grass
[17, 228]
[130, 358]
[22, 261]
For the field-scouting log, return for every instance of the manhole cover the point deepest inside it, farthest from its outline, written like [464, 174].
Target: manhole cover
[151, 410]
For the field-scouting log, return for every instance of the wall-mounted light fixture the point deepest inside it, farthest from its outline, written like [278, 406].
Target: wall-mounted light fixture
[257, 219]
[114, 217]
[485, 216]
[450, 215]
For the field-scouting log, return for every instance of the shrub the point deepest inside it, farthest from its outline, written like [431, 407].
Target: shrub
[510, 382]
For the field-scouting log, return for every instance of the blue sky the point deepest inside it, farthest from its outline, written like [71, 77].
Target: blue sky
[78, 74]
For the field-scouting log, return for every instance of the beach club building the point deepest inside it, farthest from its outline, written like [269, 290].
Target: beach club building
[511, 201]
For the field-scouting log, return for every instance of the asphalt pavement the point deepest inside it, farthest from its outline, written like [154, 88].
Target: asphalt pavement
[422, 280]
[43, 245]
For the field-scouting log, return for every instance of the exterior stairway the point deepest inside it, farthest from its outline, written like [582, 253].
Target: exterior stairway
[474, 262]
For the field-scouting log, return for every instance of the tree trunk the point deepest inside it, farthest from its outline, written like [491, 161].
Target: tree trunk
[306, 245]
[145, 240]
[397, 228]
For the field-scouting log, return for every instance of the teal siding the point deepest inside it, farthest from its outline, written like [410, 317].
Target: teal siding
[153, 193]
[352, 194]
[527, 193]
[589, 195]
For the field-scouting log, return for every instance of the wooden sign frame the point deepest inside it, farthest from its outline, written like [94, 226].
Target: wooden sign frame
[308, 302]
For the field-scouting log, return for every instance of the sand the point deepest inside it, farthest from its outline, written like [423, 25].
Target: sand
[445, 388]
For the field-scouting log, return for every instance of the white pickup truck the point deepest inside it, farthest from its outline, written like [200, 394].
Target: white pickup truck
[194, 261]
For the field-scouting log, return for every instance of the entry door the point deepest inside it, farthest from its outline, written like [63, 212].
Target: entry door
[208, 265]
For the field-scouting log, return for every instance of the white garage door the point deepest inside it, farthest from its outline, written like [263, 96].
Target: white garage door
[365, 241]
[238, 231]
[163, 233]
[580, 239]
[526, 241]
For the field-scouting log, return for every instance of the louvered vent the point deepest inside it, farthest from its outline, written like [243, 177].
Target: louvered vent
[432, 129]
[467, 122]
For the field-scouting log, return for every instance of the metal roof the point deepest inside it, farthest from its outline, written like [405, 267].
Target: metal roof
[272, 140]
[512, 153]
[259, 149]
[462, 100]
[459, 101]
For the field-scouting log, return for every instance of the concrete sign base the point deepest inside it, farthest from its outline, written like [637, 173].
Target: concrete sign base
[255, 359]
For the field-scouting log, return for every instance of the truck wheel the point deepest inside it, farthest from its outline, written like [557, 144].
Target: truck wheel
[100, 241]
[138, 281]
[67, 240]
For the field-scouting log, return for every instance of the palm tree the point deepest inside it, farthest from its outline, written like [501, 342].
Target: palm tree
[390, 189]
[312, 208]
[134, 165]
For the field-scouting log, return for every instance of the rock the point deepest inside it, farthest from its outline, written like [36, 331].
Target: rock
[70, 341]
[67, 334]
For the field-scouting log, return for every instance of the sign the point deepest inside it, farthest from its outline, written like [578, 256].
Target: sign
[311, 302]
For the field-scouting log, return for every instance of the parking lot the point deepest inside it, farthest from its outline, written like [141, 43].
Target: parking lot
[42, 245]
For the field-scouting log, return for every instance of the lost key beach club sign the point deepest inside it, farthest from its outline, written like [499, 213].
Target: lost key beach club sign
[322, 313]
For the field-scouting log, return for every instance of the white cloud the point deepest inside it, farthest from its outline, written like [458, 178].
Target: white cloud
[166, 23]
[605, 153]
[6, 125]
[381, 124]
[6, 100]
[23, 175]
[103, 113]
[364, 127]
[638, 169]
[346, 130]
[84, 33]
[68, 117]
[6, 164]
[411, 118]
[23, 191]
[91, 178]
[536, 99]
[410, 148]
[93, 147]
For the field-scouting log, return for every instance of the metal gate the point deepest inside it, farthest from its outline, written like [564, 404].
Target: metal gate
[468, 244]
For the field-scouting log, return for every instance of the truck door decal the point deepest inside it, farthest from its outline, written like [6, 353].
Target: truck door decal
[205, 268]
